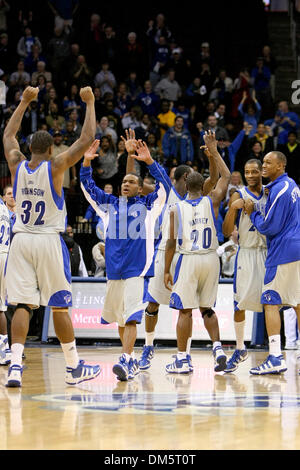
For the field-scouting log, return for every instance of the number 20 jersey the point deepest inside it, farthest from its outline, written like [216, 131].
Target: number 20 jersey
[39, 208]
[197, 232]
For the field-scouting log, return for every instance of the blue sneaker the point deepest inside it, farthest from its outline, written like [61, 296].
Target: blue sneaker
[82, 373]
[147, 356]
[133, 369]
[179, 366]
[239, 355]
[14, 377]
[121, 369]
[220, 359]
[272, 365]
[189, 359]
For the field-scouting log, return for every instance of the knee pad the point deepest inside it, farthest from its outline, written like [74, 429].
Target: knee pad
[209, 312]
[151, 314]
[25, 307]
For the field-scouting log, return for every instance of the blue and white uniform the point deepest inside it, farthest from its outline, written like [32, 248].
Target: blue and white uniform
[281, 226]
[129, 232]
[38, 267]
[249, 270]
[195, 283]
[157, 292]
[5, 231]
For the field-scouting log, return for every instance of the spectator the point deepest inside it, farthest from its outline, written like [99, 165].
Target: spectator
[76, 259]
[26, 42]
[283, 122]
[63, 12]
[177, 144]
[148, 101]
[106, 167]
[292, 152]
[133, 56]
[160, 60]
[92, 39]
[134, 87]
[168, 88]
[105, 80]
[252, 115]
[181, 110]
[98, 254]
[114, 120]
[196, 92]
[70, 135]
[72, 101]
[222, 88]
[181, 65]
[227, 252]
[263, 136]
[58, 54]
[20, 79]
[109, 47]
[166, 119]
[82, 75]
[206, 76]
[103, 129]
[123, 100]
[74, 118]
[6, 54]
[236, 183]
[59, 146]
[32, 59]
[53, 119]
[40, 70]
[31, 119]
[270, 62]
[155, 151]
[158, 28]
[212, 125]
[220, 114]
[240, 85]
[99, 104]
[260, 76]
[147, 127]
[4, 9]
[133, 119]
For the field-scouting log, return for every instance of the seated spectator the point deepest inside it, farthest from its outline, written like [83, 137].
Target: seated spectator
[255, 150]
[53, 119]
[177, 144]
[32, 59]
[148, 101]
[181, 65]
[166, 119]
[168, 88]
[51, 97]
[7, 58]
[26, 42]
[252, 115]
[133, 119]
[155, 151]
[114, 120]
[105, 80]
[148, 126]
[40, 70]
[227, 252]
[181, 110]
[160, 59]
[236, 183]
[99, 104]
[133, 56]
[98, 254]
[109, 48]
[158, 28]
[220, 114]
[20, 79]
[76, 259]
[222, 87]
[81, 74]
[74, 119]
[106, 166]
[133, 86]
[212, 125]
[122, 100]
[70, 135]
[196, 92]
[292, 152]
[283, 122]
[103, 129]
[206, 76]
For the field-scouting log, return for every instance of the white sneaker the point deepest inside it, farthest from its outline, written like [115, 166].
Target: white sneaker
[14, 377]
[5, 357]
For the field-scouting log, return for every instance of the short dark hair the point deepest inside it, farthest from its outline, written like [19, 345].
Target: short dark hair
[140, 179]
[194, 182]
[254, 161]
[280, 157]
[181, 170]
[41, 141]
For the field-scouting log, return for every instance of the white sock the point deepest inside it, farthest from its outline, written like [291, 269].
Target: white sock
[274, 345]
[188, 345]
[217, 343]
[239, 327]
[150, 338]
[132, 355]
[127, 357]
[181, 355]
[16, 353]
[70, 353]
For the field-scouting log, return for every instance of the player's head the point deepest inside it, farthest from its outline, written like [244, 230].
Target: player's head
[42, 144]
[181, 173]
[132, 185]
[273, 165]
[292, 137]
[8, 196]
[194, 182]
[253, 172]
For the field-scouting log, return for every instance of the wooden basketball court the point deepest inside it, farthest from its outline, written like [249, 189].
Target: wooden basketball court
[203, 410]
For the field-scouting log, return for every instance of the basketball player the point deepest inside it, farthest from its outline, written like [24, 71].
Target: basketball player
[196, 278]
[129, 223]
[38, 267]
[4, 247]
[250, 260]
[281, 226]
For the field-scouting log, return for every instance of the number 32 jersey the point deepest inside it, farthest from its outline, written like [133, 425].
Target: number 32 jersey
[196, 226]
[39, 208]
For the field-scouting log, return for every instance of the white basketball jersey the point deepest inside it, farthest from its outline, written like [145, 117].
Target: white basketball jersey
[196, 226]
[249, 237]
[4, 228]
[173, 199]
[39, 209]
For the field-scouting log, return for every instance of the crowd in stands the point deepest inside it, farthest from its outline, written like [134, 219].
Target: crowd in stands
[147, 83]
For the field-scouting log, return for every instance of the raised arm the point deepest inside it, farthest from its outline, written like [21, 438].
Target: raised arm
[219, 192]
[170, 249]
[212, 180]
[10, 143]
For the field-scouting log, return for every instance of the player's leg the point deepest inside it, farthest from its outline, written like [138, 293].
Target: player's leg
[151, 318]
[211, 324]
[240, 354]
[3, 338]
[183, 332]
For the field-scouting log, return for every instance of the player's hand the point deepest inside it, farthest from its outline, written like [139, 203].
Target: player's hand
[238, 204]
[210, 141]
[90, 154]
[206, 151]
[143, 153]
[87, 95]
[168, 280]
[249, 207]
[30, 94]
[130, 141]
